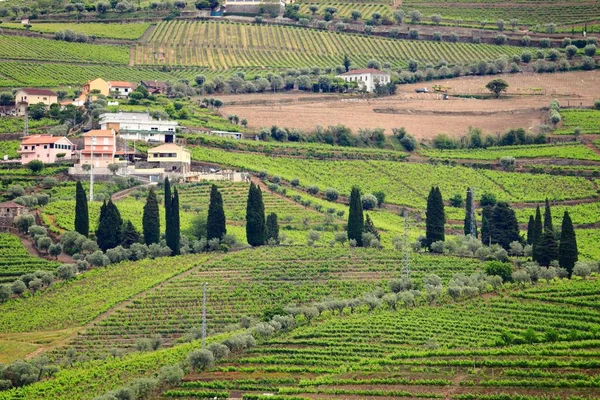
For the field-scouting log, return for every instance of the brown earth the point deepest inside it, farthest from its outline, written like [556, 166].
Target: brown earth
[423, 115]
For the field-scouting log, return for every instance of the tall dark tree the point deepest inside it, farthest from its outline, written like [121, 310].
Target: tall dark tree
[82, 219]
[548, 217]
[568, 253]
[129, 235]
[255, 217]
[215, 222]
[469, 214]
[272, 228]
[504, 227]
[538, 230]
[356, 220]
[347, 63]
[168, 198]
[108, 234]
[435, 217]
[486, 222]
[174, 241]
[151, 219]
[548, 248]
[530, 230]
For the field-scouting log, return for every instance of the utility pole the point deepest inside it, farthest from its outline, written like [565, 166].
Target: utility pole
[204, 315]
[405, 271]
[93, 138]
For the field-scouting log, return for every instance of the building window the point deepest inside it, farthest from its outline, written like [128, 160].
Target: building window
[153, 129]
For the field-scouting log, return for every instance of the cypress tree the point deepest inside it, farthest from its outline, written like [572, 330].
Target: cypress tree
[255, 217]
[151, 219]
[530, 230]
[504, 227]
[538, 230]
[272, 228]
[567, 250]
[356, 222]
[108, 234]
[468, 214]
[176, 229]
[548, 217]
[486, 221]
[129, 235]
[167, 205]
[82, 219]
[215, 222]
[435, 217]
[549, 249]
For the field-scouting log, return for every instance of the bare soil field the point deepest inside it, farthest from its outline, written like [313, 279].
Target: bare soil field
[423, 115]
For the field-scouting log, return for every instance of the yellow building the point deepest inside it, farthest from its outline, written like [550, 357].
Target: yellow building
[171, 157]
[31, 96]
[99, 84]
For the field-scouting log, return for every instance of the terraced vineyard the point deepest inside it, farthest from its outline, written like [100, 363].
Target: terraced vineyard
[226, 45]
[15, 260]
[250, 282]
[457, 351]
[527, 12]
[15, 47]
[567, 150]
[9, 148]
[403, 182]
[295, 219]
[56, 74]
[114, 31]
[588, 121]
[344, 9]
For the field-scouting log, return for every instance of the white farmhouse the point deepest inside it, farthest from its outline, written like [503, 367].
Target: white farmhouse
[366, 78]
[139, 126]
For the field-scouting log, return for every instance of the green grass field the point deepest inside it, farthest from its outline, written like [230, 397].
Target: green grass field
[567, 150]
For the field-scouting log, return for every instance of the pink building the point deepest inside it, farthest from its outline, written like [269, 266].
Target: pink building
[45, 148]
[100, 147]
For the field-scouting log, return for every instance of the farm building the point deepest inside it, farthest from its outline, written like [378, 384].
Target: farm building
[171, 157]
[366, 79]
[45, 148]
[139, 126]
[155, 87]
[9, 210]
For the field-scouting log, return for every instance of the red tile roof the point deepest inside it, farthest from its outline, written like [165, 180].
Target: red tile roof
[10, 204]
[122, 84]
[364, 71]
[39, 92]
[40, 139]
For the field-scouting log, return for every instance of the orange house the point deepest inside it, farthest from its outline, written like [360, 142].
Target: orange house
[100, 147]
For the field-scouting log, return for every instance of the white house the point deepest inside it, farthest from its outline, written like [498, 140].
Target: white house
[139, 126]
[121, 89]
[366, 78]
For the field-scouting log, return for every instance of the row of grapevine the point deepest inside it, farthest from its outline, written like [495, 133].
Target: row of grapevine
[228, 45]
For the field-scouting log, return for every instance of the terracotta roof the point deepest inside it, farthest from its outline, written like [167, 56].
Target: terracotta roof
[39, 92]
[10, 204]
[122, 84]
[364, 71]
[166, 147]
[40, 139]
[155, 84]
[99, 132]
